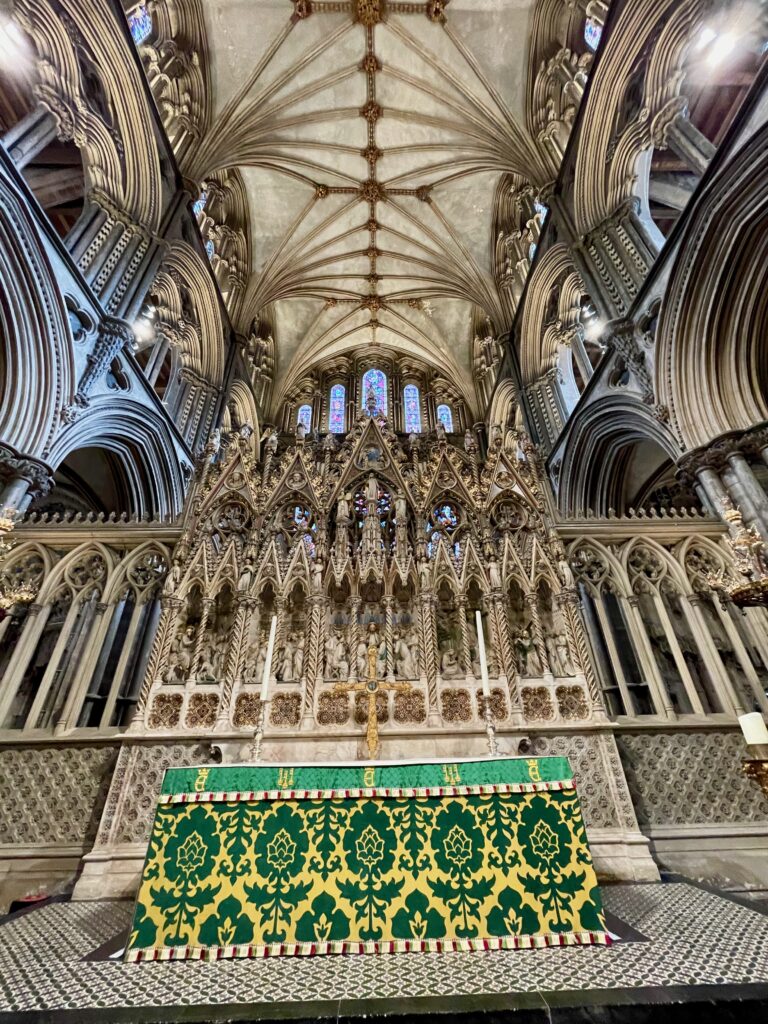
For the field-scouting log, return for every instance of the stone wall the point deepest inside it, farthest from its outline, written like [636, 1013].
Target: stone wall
[689, 778]
[53, 795]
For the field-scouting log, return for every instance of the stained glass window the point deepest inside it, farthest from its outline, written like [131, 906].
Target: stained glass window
[199, 204]
[375, 381]
[445, 416]
[592, 32]
[531, 253]
[541, 208]
[412, 403]
[140, 24]
[305, 416]
[210, 248]
[337, 409]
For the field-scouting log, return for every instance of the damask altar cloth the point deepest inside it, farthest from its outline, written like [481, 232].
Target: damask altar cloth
[298, 860]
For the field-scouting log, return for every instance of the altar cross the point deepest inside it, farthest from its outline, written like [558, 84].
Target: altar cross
[372, 686]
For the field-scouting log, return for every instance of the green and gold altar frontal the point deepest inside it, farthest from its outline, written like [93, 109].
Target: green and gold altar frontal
[281, 860]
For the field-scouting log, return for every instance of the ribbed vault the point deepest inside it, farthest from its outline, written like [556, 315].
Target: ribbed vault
[371, 137]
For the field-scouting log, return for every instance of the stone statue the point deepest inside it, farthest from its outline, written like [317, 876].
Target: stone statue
[361, 659]
[550, 642]
[494, 575]
[213, 445]
[564, 655]
[470, 442]
[182, 652]
[343, 507]
[285, 671]
[440, 430]
[271, 442]
[246, 576]
[449, 664]
[298, 658]
[372, 489]
[301, 431]
[341, 662]
[330, 657]
[261, 660]
[529, 658]
[246, 431]
[405, 667]
[173, 578]
[401, 508]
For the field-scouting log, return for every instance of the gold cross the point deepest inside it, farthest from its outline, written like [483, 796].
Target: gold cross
[371, 686]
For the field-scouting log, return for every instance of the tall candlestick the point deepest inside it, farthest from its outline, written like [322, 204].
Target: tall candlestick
[481, 651]
[268, 662]
[754, 728]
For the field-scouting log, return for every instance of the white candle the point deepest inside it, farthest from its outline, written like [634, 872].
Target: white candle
[481, 652]
[754, 728]
[268, 662]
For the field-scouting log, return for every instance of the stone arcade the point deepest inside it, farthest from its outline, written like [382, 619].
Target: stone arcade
[372, 315]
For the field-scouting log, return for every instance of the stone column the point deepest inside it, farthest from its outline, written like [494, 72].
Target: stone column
[659, 693]
[27, 642]
[687, 142]
[388, 638]
[158, 659]
[753, 493]
[429, 652]
[313, 665]
[730, 700]
[466, 655]
[30, 136]
[569, 603]
[353, 636]
[234, 662]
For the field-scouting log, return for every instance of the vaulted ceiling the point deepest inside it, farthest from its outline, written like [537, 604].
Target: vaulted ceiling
[371, 138]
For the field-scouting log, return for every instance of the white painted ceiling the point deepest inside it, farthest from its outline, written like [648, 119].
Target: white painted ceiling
[288, 97]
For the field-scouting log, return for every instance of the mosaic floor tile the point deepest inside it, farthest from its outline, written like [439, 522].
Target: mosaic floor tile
[696, 937]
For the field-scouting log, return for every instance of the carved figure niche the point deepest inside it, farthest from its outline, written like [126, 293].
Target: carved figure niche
[182, 653]
[258, 635]
[475, 603]
[449, 634]
[374, 517]
[290, 657]
[337, 662]
[553, 631]
[520, 623]
[215, 645]
[405, 643]
[372, 629]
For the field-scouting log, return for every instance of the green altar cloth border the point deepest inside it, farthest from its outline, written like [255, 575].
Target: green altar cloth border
[262, 952]
[206, 783]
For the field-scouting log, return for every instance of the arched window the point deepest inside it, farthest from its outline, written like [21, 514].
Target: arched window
[375, 384]
[336, 411]
[140, 24]
[593, 30]
[304, 416]
[445, 416]
[412, 403]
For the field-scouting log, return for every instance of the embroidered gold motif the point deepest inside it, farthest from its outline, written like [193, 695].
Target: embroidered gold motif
[285, 777]
[451, 774]
[533, 770]
[369, 776]
[202, 780]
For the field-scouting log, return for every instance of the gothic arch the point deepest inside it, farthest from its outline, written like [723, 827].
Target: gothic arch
[142, 441]
[712, 353]
[37, 345]
[602, 437]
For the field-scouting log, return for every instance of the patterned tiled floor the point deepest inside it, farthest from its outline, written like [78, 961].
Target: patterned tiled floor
[696, 938]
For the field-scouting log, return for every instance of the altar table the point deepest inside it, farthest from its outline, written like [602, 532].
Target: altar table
[298, 860]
